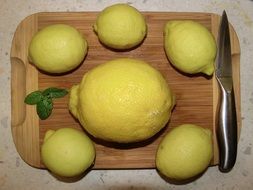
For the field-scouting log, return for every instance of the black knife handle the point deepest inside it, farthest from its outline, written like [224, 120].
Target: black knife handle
[227, 128]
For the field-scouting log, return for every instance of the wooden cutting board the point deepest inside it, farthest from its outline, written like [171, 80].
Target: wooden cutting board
[196, 95]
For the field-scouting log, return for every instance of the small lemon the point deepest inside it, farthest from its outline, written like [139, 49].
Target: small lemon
[120, 26]
[185, 152]
[57, 48]
[124, 100]
[67, 152]
[190, 47]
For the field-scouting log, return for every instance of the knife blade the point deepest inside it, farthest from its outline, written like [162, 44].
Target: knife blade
[226, 110]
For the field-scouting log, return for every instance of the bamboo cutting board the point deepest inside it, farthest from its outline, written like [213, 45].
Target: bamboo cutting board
[196, 95]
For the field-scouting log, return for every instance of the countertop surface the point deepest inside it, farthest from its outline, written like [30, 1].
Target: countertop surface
[16, 174]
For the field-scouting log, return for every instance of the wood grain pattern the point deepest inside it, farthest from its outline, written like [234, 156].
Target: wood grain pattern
[196, 95]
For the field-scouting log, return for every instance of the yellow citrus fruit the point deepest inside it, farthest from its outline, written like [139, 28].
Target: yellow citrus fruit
[120, 26]
[67, 152]
[124, 100]
[190, 47]
[57, 48]
[185, 152]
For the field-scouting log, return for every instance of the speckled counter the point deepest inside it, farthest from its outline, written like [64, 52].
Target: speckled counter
[15, 174]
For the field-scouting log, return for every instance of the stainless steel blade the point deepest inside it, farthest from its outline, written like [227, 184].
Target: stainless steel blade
[226, 110]
[224, 66]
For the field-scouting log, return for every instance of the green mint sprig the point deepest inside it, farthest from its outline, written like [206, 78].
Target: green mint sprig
[44, 100]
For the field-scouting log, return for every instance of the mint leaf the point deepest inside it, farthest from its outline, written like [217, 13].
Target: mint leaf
[54, 92]
[33, 98]
[43, 100]
[44, 108]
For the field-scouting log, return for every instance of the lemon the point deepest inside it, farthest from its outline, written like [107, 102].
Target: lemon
[120, 26]
[57, 48]
[185, 152]
[123, 100]
[190, 47]
[67, 152]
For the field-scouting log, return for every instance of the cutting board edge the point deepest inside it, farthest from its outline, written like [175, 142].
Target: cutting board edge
[21, 70]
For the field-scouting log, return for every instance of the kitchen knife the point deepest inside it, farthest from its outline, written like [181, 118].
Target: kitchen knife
[226, 111]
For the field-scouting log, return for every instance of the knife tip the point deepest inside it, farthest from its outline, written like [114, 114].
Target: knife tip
[224, 14]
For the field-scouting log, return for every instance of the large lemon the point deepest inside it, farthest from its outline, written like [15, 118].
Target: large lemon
[67, 152]
[190, 47]
[123, 100]
[185, 152]
[120, 26]
[57, 48]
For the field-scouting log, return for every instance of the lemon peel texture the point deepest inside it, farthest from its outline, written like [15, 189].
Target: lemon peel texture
[57, 48]
[185, 152]
[120, 26]
[190, 46]
[67, 152]
[123, 100]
